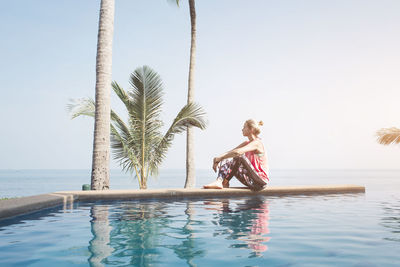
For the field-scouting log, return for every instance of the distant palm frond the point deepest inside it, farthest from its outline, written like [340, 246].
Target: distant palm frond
[387, 136]
[81, 107]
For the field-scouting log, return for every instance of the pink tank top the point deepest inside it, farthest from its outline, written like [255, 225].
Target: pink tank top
[259, 162]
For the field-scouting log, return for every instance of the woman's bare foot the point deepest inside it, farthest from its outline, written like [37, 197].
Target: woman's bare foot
[225, 183]
[217, 184]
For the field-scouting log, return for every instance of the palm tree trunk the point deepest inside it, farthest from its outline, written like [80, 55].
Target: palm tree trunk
[143, 178]
[100, 179]
[190, 164]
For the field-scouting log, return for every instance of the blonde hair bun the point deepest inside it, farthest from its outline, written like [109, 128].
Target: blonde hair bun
[254, 125]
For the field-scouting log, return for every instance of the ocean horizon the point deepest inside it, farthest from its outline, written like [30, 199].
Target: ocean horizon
[28, 182]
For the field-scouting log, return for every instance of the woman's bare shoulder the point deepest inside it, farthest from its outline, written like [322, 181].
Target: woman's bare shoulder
[260, 146]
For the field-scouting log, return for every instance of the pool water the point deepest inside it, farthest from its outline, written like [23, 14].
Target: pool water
[326, 230]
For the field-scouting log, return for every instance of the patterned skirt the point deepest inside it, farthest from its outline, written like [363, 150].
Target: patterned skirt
[243, 170]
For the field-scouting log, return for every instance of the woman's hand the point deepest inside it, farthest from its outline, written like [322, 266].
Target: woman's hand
[216, 161]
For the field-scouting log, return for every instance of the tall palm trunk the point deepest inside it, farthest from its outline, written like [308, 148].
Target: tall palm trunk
[190, 164]
[100, 179]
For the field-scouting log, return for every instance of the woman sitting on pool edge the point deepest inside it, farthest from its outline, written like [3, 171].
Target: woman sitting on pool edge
[248, 163]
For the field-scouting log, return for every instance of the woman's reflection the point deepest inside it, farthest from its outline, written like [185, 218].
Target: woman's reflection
[247, 222]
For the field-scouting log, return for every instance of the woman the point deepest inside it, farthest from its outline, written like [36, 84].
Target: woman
[249, 163]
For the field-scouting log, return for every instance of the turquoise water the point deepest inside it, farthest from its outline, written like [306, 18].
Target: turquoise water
[327, 230]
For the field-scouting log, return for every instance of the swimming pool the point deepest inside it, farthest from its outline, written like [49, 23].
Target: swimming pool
[328, 230]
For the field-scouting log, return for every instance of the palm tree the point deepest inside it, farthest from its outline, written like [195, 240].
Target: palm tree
[139, 145]
[100, 178]
[190, 163]
[387, 136]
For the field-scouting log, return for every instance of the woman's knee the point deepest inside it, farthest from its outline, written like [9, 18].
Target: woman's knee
[239, 159]
[236, 161]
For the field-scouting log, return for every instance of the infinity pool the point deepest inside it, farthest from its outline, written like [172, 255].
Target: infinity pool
[329, 230]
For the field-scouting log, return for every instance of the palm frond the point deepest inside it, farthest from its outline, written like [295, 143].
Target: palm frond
[387, 136]
[190, 115]
[120, 134]
[175, 2]
[81, 107]
[146, 95]
[121, 142]
[119, 123]
[122, 95]
[122, 151]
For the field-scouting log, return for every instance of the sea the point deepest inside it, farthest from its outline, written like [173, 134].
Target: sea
[20, 183]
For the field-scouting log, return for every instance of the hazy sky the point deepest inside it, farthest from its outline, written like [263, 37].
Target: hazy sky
[322, 75]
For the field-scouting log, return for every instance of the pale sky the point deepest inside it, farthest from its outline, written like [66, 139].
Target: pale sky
[322, 75]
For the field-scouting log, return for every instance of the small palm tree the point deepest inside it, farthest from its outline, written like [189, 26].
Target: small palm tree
[387, 136]
[139, 145]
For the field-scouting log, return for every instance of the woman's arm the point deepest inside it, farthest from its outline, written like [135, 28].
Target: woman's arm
[239, 150]
[241, 145]
[228, 154]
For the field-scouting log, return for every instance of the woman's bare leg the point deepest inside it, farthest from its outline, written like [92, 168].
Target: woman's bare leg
[225, 183]
[225, 173]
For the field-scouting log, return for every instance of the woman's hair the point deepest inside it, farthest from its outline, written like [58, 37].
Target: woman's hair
[254, 126]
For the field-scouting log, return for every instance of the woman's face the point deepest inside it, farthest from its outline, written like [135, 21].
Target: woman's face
[246, 131]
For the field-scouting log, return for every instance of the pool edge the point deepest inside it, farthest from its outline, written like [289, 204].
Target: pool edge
[18, 206]
[23, 205]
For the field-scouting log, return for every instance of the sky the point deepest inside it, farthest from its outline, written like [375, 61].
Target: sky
[323, 76]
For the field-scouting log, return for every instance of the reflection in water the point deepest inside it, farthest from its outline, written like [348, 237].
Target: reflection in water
[248, 222]
[149, 233]
[391, 219]
[188, 249]
[136, 234]
[99, 247]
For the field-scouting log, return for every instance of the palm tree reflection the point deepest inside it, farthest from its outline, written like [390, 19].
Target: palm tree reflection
[248, 222]
[136, 234]
[99, 246]
[143, 233]
[139, 235]
[188, 249]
